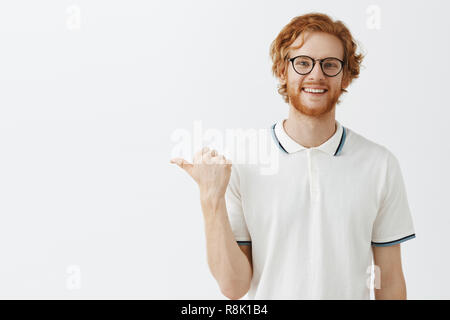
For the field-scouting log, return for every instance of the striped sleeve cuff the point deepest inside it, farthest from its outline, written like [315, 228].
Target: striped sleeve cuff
[390, 243]
[244, 243]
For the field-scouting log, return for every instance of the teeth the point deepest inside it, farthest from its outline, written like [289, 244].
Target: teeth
[314, 90]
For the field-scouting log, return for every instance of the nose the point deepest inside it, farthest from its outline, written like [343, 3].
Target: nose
[316, 73]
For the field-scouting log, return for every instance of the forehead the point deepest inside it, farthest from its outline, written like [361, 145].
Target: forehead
[317, 45]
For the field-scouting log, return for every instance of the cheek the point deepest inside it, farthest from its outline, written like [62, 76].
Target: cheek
[295, 81]
[336, 84]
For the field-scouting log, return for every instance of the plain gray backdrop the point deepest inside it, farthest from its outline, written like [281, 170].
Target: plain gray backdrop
[91, 93]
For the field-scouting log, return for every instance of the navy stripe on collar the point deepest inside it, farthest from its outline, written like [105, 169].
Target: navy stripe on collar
[341, 143]
[277, 142]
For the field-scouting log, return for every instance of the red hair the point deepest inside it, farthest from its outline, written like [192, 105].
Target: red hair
[319, 22]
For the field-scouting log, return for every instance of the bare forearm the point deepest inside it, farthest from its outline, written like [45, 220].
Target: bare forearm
[391, 290]
[228, 264]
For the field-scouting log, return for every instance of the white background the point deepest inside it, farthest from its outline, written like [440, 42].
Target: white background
[92, 91]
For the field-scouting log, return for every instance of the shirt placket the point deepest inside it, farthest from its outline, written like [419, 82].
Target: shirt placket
[315, 218]
[313, 176]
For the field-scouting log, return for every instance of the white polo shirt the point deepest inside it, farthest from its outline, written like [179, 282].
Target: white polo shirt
[312, 223]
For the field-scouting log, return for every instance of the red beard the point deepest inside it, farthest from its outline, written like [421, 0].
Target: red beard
[295, 99]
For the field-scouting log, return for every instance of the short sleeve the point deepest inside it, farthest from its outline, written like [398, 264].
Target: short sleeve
[235, 210]
[393, 223]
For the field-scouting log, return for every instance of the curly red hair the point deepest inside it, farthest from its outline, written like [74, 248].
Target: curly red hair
[319, 22]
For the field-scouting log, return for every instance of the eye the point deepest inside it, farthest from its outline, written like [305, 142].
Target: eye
[301, 62]
[330, 65]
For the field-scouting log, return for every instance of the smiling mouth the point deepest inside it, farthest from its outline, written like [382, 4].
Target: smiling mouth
[314, 91]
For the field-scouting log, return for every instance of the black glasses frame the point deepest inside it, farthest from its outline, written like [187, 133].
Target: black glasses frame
[314, 64]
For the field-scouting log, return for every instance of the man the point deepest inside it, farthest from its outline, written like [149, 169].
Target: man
[310, 230]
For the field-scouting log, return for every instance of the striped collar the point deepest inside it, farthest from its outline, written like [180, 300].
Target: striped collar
[332, 146]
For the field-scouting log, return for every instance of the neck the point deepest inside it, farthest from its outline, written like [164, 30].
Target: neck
[310, 131]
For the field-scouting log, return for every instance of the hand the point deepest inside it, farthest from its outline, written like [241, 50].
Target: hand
[210, 170]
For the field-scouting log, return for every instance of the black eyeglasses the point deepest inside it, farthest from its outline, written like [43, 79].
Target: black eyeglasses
[304, 65]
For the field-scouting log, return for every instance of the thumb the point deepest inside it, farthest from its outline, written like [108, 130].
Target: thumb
[183, 164]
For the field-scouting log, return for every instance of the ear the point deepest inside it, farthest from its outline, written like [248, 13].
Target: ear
[345, 83]
[282, 78]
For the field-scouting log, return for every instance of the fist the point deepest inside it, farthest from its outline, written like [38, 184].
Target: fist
[210, 170]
